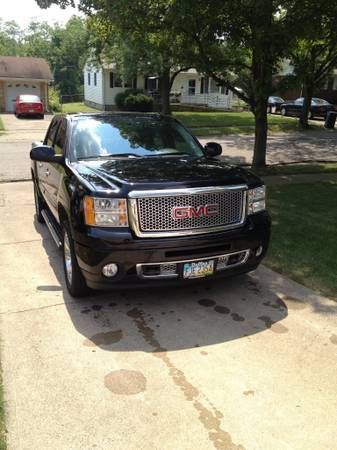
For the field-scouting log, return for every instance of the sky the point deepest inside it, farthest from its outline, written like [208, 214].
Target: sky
[23, 11]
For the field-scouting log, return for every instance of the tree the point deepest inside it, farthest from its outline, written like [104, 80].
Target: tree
[240, 47]
[239, 43]
[314, 52]
[139, 37]
[64, 47]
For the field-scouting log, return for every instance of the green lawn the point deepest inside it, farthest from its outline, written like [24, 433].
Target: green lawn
[2, 128]
[304, 244]
[71, 108]
[217, 123]
[214, 123]
[294, 169]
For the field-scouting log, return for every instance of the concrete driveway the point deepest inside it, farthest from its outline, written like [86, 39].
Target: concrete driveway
[16, 143]
[247, 363]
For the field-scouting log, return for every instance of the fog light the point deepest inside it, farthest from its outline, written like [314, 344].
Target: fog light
[110, 270]
[259, 251]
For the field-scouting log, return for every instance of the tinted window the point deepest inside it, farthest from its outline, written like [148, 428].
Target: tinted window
[141, 136]
[52, 131]
[319, 101]
[29, 98]
[299, 101]
[61, 138]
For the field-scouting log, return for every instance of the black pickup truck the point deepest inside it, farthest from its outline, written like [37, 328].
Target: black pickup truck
[134, 199]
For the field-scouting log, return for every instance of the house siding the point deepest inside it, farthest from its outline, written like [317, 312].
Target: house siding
[92, 93]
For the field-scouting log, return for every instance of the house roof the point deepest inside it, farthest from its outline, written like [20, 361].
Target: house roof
[24, 67]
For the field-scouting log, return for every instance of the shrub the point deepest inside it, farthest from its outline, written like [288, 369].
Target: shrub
[139, 102]
[121, 96]
[54, 99]
[133, 100]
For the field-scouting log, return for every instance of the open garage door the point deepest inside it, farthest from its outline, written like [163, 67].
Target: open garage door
[18, 88]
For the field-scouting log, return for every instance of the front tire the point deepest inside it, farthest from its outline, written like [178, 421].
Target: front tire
[75, 281]
[283, 112]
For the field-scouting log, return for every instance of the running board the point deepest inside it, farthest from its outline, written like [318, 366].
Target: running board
[51, 229]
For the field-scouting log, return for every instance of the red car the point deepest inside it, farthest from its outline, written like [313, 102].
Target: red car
[28, 105]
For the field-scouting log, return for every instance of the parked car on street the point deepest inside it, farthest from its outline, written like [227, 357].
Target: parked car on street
[319, 107]
[274, 104]
[28, 105]
[135, 199]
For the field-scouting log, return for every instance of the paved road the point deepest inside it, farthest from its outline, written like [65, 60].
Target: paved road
[318, 145]
[15, 145]
[248, 363]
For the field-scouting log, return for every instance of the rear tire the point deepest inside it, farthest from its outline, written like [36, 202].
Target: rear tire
[42, 117]
[75, 281]
[38, 205]
[283, 112]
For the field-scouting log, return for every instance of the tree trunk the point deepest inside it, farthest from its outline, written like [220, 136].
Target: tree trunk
[165, 92]
[307, 94]
[261, 131]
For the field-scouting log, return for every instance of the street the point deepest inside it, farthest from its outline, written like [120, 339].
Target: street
[242, 363]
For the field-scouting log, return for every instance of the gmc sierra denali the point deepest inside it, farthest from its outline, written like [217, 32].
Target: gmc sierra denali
[134, 198]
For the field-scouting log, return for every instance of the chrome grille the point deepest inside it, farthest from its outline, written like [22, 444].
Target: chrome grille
[153, 212]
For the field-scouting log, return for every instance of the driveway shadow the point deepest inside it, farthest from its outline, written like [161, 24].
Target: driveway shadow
[169, 318]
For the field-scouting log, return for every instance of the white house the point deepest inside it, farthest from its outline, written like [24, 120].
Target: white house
[195, 88]
[101, 84]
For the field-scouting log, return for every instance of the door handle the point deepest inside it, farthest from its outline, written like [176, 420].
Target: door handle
[40, 164]
[47, 173]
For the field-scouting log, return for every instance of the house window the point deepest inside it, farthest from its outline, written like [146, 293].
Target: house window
[95, 79]
[115, 81]
[204, 85]
[88, 78]
[191, 87]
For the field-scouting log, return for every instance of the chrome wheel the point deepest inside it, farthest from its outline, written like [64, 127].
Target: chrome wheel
[67, 257]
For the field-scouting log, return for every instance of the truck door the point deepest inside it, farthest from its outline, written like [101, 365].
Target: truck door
[43, 169]
[56, 170]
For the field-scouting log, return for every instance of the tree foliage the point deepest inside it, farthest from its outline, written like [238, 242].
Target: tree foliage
[64, 47]
[239, 43]
[313, 53]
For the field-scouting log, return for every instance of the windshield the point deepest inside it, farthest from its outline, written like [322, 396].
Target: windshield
[29, 98]
[132, 136]
[276, 99]
[319, 101]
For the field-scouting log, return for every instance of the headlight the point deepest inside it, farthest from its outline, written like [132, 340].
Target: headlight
[105, 212]
[256, 200]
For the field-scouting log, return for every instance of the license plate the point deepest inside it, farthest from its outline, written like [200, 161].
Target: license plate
[198, 269]
[31, 110]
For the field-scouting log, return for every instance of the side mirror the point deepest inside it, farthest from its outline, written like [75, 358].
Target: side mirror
[212, 149]
[45, 153]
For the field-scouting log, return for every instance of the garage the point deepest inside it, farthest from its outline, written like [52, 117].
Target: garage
[18, 88]
[23, 75]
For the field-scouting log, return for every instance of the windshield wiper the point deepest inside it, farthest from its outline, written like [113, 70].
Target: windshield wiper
[114, 155]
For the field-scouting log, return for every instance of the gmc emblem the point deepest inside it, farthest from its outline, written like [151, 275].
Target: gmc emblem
[189, 212]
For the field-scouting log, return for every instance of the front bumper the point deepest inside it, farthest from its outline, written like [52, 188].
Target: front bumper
[100, 247]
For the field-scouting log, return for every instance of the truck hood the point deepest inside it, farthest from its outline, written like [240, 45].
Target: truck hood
[168, 171]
